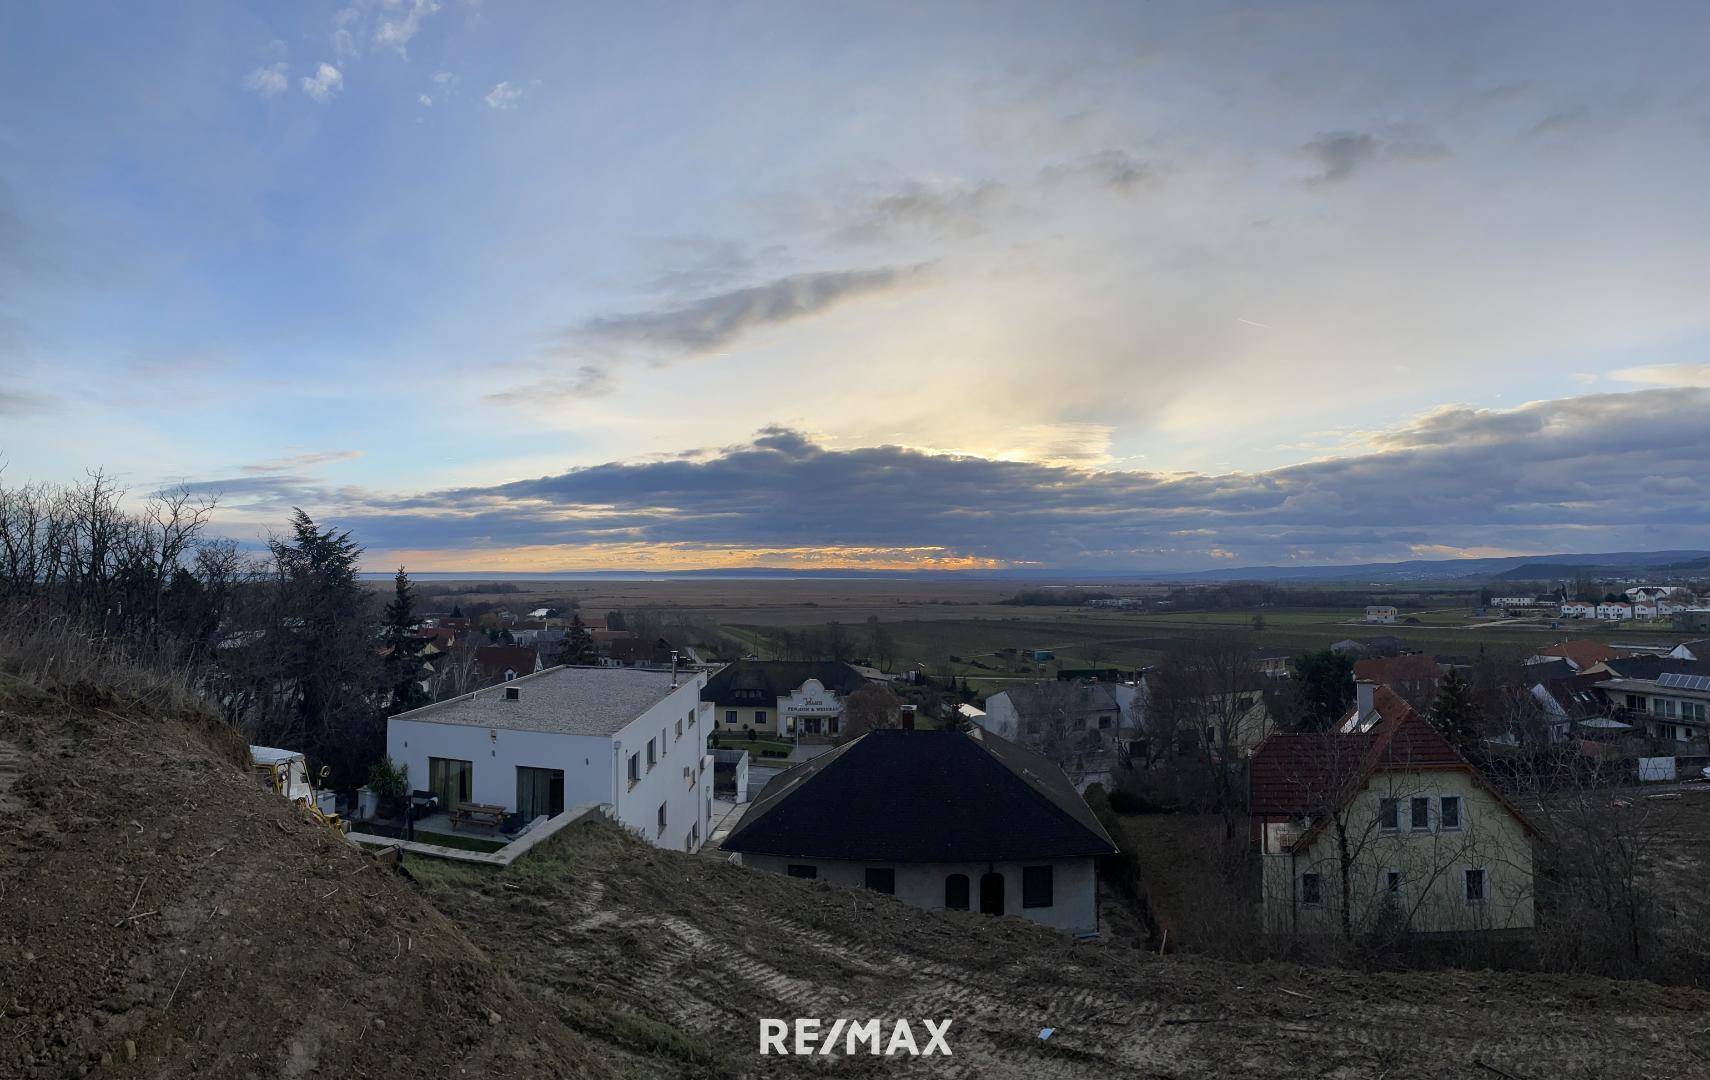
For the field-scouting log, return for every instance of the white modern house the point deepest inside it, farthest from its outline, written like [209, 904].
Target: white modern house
[1614, 611]
[1578, 609]
[630, 738]
[959, 821]
[1380, 613]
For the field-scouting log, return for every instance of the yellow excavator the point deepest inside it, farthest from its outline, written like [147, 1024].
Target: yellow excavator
[286, 774]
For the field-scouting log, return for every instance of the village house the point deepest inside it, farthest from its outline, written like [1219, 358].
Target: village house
[1584, 655]
[1673, 706]
[501, 663]
[788, 698]
[1380, 613]
[628, 738]
[1098, 714]
[1579, 609]
[1614, 610]
[1391, 822]
[956, 820]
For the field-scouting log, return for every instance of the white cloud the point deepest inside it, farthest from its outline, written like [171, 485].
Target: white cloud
[325, 84]
[425, 100]
[268, 81]
[395, 31]
[503, 96]
[1667, 375]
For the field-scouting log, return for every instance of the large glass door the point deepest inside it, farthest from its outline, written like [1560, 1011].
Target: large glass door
[452, 780]
[539, 792]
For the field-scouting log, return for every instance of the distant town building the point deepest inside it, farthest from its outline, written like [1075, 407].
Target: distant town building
[1380, 613]
[790, 698]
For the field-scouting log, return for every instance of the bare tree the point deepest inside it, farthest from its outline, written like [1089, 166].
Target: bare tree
[1207, 693]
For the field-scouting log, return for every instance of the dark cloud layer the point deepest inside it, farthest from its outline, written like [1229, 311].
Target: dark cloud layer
[1603, 471]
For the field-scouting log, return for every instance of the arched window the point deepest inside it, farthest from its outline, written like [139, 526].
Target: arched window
[956, 892]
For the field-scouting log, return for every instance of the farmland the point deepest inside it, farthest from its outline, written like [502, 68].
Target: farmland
[966, 628]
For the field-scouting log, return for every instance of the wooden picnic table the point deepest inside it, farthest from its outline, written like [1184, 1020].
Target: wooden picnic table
[479, 813]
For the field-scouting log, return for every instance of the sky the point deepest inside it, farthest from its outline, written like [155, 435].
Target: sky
[1137, 286]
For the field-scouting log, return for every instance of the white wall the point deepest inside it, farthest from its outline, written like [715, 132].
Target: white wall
[685, 806]
[594, 765]
[1001, 718]
[1074, 886]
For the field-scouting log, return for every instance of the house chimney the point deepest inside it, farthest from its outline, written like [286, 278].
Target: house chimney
[513, 693]
[673, 669]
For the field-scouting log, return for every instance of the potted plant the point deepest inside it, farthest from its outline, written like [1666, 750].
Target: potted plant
[390, 782]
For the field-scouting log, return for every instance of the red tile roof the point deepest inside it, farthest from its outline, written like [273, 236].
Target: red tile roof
[1582, 653]
[1295, 775]
[1398, 670]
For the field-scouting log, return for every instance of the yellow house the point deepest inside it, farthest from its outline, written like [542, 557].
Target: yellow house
[1389, 826]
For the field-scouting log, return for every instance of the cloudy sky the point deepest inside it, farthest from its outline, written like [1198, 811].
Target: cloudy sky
[527, 286]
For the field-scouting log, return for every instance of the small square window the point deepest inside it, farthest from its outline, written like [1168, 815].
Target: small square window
[1419, 814]
[882, 879]
[1449, 812]
[1036, 886]
[1475, 886]
[730, 717]
[759, 716]
[1392, 882]
[1311, 890]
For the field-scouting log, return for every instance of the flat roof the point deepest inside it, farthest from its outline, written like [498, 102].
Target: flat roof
[563, 700]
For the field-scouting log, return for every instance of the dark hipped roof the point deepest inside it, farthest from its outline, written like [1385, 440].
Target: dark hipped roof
[922, 796]
[748, 681]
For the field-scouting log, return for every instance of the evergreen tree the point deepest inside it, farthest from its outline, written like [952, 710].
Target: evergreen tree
[579, 646]
[457, 611]
[1321, 691]
[328, 671]
[403, 647]
[1457, 716]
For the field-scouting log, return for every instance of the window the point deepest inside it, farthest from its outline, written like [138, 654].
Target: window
[1392, 883]
[1036, 886]
[1475, 889]
[1311, 890]
[1104, 721]
[652, 753]
[1389, 814]
[956, 892]
[882, 879]
[759, 716]
[634, 769]
[1419, 813]
[679, 729]
[1449, 812]
[802, 871]
[730, 717]
[691, 719]
[661, 819]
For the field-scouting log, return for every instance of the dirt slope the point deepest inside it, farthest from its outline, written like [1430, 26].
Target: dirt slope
[163, 915]
[672, 959]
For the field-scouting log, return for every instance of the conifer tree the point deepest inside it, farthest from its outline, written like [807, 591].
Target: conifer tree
[1457, 716]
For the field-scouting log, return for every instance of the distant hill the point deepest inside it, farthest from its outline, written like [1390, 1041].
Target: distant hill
[1511, 568]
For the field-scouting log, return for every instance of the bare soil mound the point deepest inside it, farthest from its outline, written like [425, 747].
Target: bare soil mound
[161, 914]
[671, 960]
